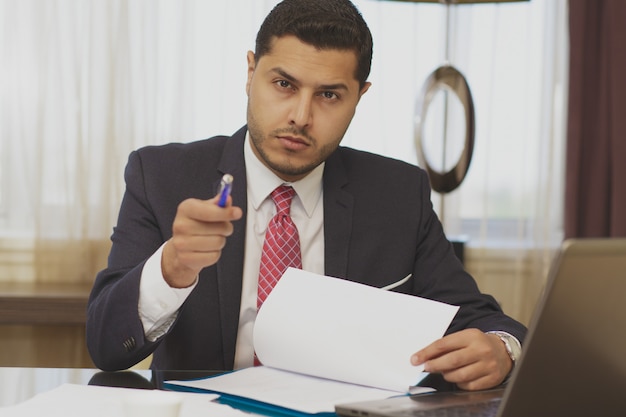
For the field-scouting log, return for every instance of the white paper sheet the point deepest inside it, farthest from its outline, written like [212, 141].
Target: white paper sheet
[338, 329]
[289, 390]
[314, 331]
[70, 400]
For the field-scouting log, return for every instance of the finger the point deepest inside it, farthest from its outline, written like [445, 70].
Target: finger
[181, 267]
[475, 367]
[208, 210]
[438, 348]
[450, 361]
[464, 373]
[475, 380]
[198, 260]
[234, 213]
[185, 226]
[199, 243]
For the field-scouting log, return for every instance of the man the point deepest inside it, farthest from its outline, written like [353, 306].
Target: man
[183, 272]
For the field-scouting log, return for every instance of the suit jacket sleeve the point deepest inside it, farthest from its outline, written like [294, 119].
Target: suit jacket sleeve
[380, 226]
[115, 335]
[157, 179]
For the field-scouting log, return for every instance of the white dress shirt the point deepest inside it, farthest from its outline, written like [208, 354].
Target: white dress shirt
[159, 303]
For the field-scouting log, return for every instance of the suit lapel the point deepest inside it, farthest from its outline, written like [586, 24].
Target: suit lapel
[230, 265]
[338, 207]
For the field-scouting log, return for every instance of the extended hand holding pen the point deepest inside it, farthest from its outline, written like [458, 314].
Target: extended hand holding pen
[199, 233]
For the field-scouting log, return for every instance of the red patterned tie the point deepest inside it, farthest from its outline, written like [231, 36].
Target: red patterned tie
[282, 244]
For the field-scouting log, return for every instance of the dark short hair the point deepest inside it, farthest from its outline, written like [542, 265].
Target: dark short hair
[324, 24]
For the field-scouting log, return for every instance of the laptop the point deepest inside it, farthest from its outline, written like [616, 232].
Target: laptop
[574, 357]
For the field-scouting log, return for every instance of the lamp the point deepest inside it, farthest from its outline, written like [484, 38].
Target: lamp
[448, 79]
[448, 2]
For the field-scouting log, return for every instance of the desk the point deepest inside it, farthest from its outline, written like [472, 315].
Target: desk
[43, 325]
[38, 304]
[19, 384]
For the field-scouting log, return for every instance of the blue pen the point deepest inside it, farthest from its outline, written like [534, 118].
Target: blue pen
[226, 186]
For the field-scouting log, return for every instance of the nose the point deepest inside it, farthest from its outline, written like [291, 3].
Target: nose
[301, 114]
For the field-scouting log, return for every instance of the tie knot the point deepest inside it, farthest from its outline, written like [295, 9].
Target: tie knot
[282, 198]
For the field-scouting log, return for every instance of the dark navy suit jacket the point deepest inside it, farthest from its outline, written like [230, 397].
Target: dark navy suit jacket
[379, 226]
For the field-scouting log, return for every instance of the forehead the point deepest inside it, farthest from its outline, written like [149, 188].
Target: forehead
[309, 63]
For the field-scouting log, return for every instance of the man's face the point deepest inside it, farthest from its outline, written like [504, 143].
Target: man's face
[300, 103]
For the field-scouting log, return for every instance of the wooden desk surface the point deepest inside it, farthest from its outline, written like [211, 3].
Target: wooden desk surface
[43, 303]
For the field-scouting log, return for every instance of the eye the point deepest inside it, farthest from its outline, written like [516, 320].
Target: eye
[329, 95]
[283, 84]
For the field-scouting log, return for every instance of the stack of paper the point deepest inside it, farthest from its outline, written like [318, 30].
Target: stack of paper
[325, 340]
[71, 400]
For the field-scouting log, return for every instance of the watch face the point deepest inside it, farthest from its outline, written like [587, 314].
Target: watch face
[511, 344]
[509, 350]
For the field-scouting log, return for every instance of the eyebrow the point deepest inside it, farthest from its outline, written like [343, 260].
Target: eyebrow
[291, 78]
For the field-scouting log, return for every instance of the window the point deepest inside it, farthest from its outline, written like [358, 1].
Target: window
[84, 83]
[514, 57]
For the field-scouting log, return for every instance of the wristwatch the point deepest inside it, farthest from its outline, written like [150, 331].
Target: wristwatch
[512, 346]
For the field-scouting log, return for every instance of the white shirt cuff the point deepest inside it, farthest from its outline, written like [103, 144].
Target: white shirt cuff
[158, 302]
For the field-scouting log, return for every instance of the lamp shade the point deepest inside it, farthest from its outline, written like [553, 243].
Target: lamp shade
[459, 1]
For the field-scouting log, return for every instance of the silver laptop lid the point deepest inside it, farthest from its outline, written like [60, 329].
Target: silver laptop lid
[574, 359]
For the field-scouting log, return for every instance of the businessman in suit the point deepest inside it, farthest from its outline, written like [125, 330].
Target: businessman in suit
[181, 279]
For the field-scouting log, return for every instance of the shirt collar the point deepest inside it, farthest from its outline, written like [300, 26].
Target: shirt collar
[262, 181]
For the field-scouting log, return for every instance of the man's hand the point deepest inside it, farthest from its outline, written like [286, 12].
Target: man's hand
[470, 358]
[199, 233]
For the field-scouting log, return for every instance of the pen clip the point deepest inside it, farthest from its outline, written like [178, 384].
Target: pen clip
[396, 284]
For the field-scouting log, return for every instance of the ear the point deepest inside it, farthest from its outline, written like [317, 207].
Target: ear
[251, 66]
[364, 89]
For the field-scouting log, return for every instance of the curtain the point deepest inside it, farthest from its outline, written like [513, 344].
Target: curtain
[84, 82]
[596, 136]
[509, 208]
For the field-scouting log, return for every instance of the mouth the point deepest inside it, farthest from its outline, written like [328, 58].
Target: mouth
[292, 143]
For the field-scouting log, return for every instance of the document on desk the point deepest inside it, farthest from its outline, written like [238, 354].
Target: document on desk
[70, 400]
[323, 340]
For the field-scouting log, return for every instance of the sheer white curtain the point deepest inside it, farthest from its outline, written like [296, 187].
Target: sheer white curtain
[83, 82]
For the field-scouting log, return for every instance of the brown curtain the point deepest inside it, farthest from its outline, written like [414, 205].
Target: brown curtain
[595, 184]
